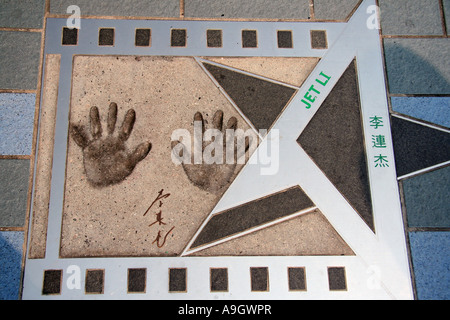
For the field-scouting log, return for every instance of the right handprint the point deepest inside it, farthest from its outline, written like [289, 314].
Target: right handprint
[213, 161]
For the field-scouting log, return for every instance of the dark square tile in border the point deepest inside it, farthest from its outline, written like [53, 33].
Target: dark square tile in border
[319, 39]
[106, 37]
[52, 282]
[219, 280]
[95, 280]
[259, 279]
[336, 279]
[70, 37]
[137, 280]
[249, 39]
[143, 37]
[178, 38]
[214, 38]
[178, 280]
[285, 39]
[297, 279]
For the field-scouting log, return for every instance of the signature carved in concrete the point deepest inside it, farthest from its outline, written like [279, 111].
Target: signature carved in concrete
[107, 160]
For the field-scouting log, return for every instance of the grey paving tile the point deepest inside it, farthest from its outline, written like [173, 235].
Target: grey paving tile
[11, 244]
[447, 14]
[431, 261]
[139, 8]
[426, 199]
[16, 123]
[411, 17]
[333, 9]
[19, 59]
[334, 140]
[14, 175]
[418, 66]
[431, 109]
[22, 14]
[418, 147]
[257, 9]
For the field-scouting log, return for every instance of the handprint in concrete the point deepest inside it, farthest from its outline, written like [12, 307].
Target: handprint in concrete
[107, 159]
[214, 160]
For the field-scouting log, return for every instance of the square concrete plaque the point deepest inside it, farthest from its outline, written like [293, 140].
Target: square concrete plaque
[182, 160]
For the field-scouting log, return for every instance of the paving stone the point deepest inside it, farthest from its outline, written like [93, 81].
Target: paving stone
[418, 66]
[411, 17]
[16, 123]
[139, 8]
[333, 10]
[22, 14]
[431, 263]
[417, 146]
[19, 59]
[426, 199]
[432, 109]
[11, 246]
[13, 192]
[257, 9]
[447, 14]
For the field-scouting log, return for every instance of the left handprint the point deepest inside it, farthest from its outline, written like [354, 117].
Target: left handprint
[107, 161]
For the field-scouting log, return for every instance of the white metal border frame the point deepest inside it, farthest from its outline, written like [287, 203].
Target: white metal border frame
[380, 269]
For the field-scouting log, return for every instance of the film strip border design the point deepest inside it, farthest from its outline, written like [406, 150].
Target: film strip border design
[368, 274]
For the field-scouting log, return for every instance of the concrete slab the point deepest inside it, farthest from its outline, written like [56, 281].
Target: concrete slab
[259, 9]
[13, 192]
[431, 109]
[417, 146]
[446, 4]
[426, 199]
[11, 247]
[152, 8]
[16, 123]
[430, 259]
[414, 66]
[17, 14]
[19, 59]
[411, 17]
[333, 10]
